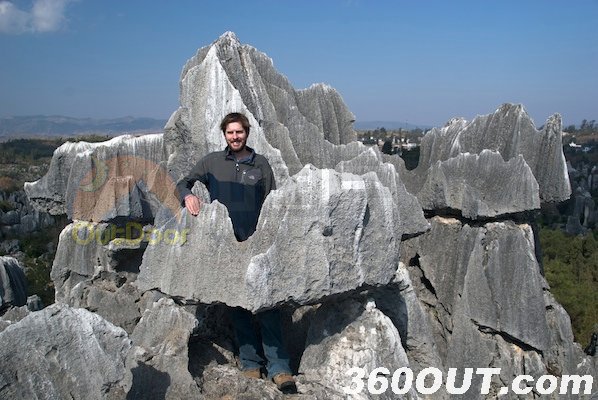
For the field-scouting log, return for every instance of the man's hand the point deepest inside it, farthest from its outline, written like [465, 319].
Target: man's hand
[192, 204]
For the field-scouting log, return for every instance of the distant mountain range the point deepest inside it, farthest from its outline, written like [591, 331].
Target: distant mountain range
[57, 125]
[371, 125]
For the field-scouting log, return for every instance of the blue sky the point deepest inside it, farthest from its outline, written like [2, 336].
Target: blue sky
[418, 62]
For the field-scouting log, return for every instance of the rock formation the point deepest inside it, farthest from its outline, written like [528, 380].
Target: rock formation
[103, 181]
[13, 284]
[308, 246]
[508, 131]
[474, 185]
[61, 352]
[343, 240]
[581, 210]
[21, 218]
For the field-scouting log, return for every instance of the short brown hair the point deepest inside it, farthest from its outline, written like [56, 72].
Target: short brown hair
[235, 117]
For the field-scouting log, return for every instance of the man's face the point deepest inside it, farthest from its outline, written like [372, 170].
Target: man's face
[235, 136]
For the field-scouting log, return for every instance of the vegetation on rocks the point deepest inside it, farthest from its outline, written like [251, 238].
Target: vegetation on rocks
[571, 268]
[40, 249]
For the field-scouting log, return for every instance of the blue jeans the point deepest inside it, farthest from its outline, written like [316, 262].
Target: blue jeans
[249, 344]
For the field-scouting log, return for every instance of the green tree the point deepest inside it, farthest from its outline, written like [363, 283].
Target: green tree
[387, 146]
[571, 265]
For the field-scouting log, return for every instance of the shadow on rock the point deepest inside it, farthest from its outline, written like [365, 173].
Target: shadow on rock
[148, 383]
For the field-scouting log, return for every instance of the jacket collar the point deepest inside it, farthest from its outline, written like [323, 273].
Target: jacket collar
[250, 159]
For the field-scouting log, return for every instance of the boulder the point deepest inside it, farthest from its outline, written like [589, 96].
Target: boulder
[94, 269]
[62, 352]
[351, 334]
[159, 357]
[13, 315]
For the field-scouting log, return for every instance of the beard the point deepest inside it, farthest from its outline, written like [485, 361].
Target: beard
[238, 146]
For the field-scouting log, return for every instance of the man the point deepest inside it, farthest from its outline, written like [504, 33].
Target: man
[241, 179]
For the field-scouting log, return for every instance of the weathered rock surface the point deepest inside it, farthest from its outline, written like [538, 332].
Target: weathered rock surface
[103, 181]
[21, 218]
[509, 131]
[95, 271]
[13, 283]
[399, 301]
[323, 233]
[225, 382]
[60, 353]
[13, 315]
[476, 185]
[486, 265]
[159, 358]
[581, 210]
[372, 161]
[346, 335]
[488, 303]
[291, 128]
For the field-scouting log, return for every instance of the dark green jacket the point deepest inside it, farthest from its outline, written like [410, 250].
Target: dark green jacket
[240, 185]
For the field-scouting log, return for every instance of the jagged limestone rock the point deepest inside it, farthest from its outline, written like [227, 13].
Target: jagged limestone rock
[482, 288]
[13, 283]
[371, 161]
[509, 131]
[63, 352]
[193, 130]
[323, 233]
[4, 324]
[480, 186]
[351, 334]
[564, 356]
[159, 357]
[291, 128]
[94, 269]
[122, 177]
[21, 218]
[13, 315]
[582, 213]
[226, 382]
[472, 272]
[399, 302]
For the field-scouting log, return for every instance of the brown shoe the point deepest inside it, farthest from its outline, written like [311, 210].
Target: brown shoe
[285, 383]
[254, 373]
